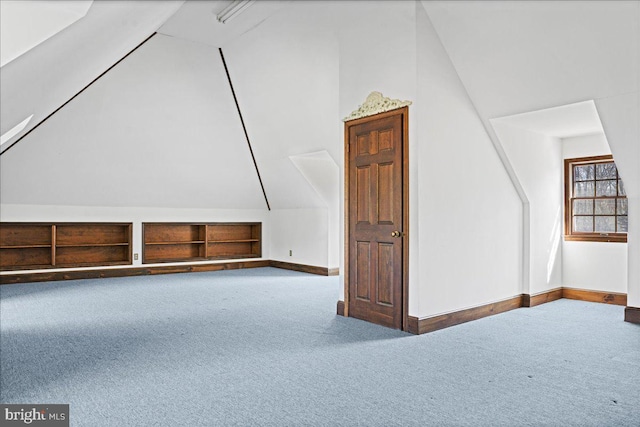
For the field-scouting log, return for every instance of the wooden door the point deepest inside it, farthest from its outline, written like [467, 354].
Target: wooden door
[376, 219]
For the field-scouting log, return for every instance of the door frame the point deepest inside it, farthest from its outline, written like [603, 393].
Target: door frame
[404, 113]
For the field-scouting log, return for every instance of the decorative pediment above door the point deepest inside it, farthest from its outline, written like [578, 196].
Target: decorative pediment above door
[374, 104]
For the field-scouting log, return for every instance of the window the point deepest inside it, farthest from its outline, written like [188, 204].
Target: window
[595, 201]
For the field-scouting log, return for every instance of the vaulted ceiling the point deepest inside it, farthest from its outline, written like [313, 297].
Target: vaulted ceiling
[284, 60]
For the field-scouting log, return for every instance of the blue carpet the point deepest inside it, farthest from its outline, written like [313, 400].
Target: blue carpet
[263, 347]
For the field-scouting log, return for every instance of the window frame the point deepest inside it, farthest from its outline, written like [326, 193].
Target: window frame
[594, 236]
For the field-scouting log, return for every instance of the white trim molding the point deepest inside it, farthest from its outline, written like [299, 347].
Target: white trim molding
[376, 103]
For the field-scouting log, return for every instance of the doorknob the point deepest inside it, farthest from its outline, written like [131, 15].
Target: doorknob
[396, 234]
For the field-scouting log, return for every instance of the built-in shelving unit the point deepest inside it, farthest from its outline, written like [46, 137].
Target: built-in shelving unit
[176, 242]
[29, 246]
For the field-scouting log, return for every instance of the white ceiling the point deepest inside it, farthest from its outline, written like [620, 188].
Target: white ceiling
[26, 24]
[196, 21]
[520, 56]
[523, 60]
[43, 79]
[517, 57]
[560, 122]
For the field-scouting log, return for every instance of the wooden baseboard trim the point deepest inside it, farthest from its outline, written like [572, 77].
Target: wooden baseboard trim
[311, 269]
[430, 324]
[7, 279]
[595, 296]
[632, 315]
[541, 298]
[413, 325]
[340, 308]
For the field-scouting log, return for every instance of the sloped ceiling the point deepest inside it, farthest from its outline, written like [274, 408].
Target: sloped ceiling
[41, 80]
[521, 56]
[169, 162]
[196, 21]
[565, 121]
[286, 76]
[47, 20]
[159, 130]
[284, 58]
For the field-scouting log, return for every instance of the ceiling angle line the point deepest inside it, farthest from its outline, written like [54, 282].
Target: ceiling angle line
[74, 96]
[244, 128]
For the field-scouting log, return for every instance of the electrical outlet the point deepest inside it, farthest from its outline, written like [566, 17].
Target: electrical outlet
[135, 257]
[290, 252]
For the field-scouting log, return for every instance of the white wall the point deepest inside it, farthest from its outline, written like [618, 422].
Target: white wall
[285, 74]
[146, 135]
[136, 215]
[301, 231]
[537, 162]
[378, 53]
[633, 254]
[588, 50]
[159, 130]
[323, 174]
[585, 146]
[469, 213]
[599, 266]
[621, 122]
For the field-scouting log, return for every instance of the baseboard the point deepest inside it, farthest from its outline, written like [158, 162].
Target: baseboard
[340, 308]
[632, 315]
[51, 276]
[573, 293]
[595, 296]
[541, 298]
[430, 324]
[311, 269]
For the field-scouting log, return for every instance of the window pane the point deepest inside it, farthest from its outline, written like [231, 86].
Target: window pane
[606, 224]
[622, 207]
[605, 207]
[583, 224]
[583, 173]
[583, 207]
[623, 224]
[606, 188]
[606, 171]
[583, 189]
[621, 191]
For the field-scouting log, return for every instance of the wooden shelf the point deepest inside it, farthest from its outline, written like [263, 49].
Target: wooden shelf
[177, 242]
[235, 256]
[25, 234]
[28, 246]
[234, 241]
[88, 245]
[24, 246]
[25, 258]
[190, 259]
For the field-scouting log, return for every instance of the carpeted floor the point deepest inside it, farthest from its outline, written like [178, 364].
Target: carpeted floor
[263, 347]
